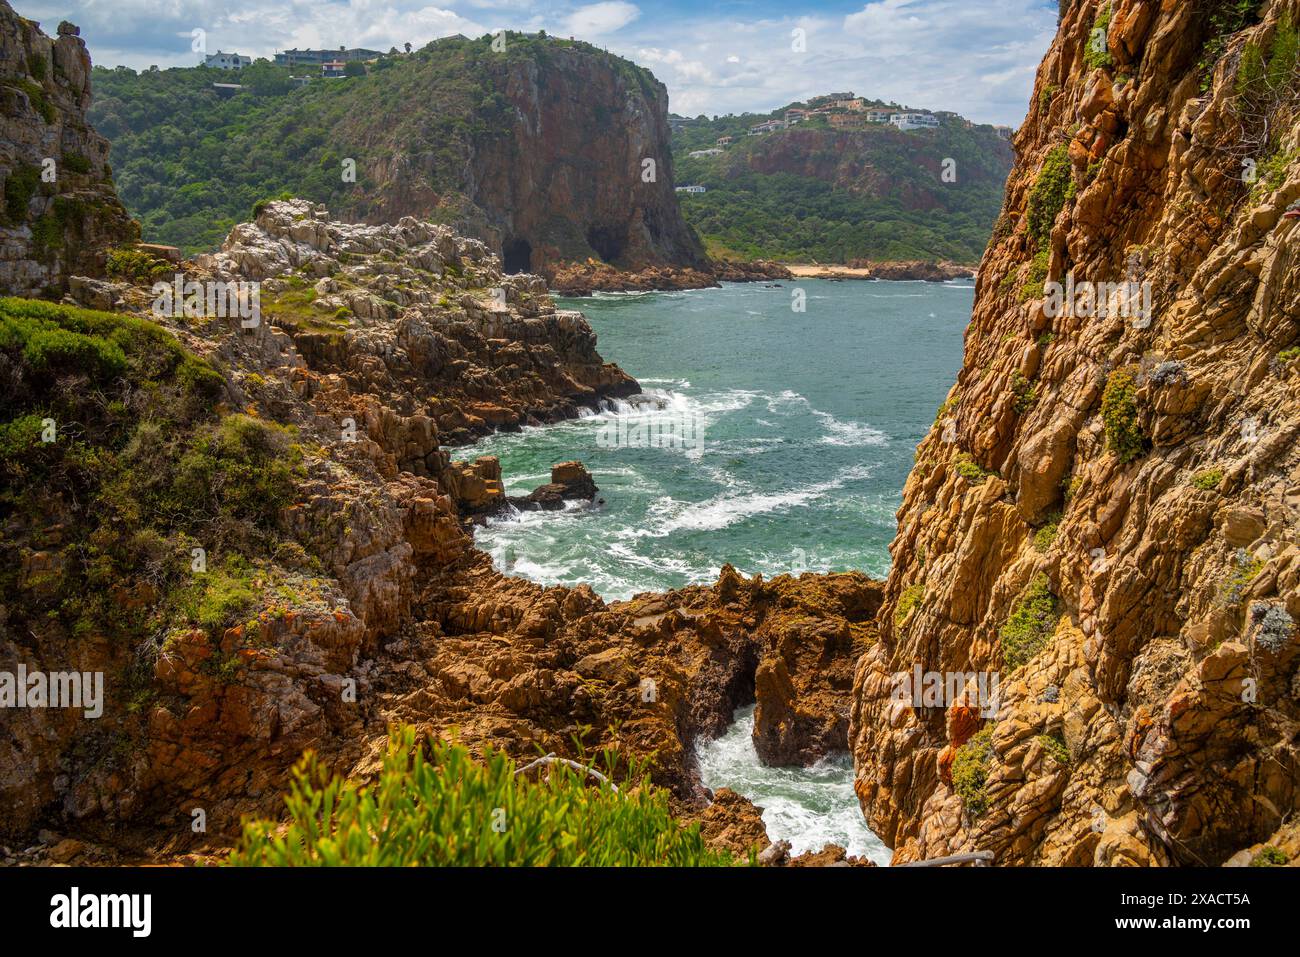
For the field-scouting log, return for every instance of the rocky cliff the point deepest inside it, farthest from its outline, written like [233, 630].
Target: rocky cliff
[254, 529]
[1104, 514]
[549, 150]
[60, 210]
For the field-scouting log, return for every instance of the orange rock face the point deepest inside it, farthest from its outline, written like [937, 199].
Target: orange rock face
[1140, 462]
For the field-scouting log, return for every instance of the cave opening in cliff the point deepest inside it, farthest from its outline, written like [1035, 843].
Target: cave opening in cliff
[517, 256]
[607, 241]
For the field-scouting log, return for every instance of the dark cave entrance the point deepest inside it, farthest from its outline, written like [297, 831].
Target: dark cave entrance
[608, 242]
[517, 256]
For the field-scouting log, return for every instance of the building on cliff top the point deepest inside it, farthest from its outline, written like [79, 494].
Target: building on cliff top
[298, 57]
[227, 61]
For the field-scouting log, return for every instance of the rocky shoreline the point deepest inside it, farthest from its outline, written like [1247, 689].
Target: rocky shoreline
[380, 347]
[588, 278]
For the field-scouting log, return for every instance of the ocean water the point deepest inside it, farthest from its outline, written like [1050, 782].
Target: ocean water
[809, 807]
[772, 439]
[775, 440]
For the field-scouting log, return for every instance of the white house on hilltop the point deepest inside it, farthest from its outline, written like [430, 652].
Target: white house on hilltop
[914, 121]
[227, 61]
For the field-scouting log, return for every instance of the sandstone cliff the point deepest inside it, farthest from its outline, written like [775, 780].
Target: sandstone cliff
[551, 151]
[60, 209]
[1105, 511]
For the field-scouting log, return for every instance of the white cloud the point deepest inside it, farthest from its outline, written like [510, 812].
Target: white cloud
[976, 57]
[597, 19]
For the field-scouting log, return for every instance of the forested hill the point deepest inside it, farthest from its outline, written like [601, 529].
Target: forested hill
[838, 193]
[536, 148]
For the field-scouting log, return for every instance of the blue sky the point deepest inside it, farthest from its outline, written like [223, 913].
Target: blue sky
[975, 57]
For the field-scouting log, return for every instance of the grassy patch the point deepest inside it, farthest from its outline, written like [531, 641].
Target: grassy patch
[1097, 55]
[1055, 745]
[1207, 480]
[1053, 187]
[1270, 856]
[440, 807]
[1031, 624]
[908, 601]
[1244, 570]
[1045, 536]
[1026, 393]
[970, 771]
[1119, 413]
[966, 466]
[137, 266]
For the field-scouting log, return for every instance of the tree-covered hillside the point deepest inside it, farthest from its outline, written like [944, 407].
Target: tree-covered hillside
[190, 160]
[813, 192]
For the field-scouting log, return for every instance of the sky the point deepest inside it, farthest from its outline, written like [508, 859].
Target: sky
[973, 57]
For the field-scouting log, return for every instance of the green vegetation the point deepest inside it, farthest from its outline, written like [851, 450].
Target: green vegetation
[1097, 55]
[970, 771]
[1245, 568]
[812, 192]
[1207, 480]
[908, 601]
[1031, 624]
[189, 163]
[1045, 536]
[1270, 856]
[1052, 188]
[111, 434]
[1287, 355]
[1070, 486]
[1227, 17]
[947, 407]
[966, 466]
[1119, 413]
[137, 266]
[1025, 391]
[20, 187]
[1033, 287]
[75, 163]
[442, 808]
[1046, 95]
[1266, 101]
[1054, 744]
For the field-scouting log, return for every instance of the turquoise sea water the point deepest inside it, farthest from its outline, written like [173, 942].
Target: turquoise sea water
[788, 438]
[798, 432]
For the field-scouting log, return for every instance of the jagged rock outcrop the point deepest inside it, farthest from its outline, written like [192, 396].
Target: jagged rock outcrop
[425, 318]
[570, 482]
[358, 599]
[1105, 511]
[60, 212]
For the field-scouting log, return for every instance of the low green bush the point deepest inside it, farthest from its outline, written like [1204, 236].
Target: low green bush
[443, 808]
[1031, 624]
[1207, 480]
[1119, 413]
[908, 601]
[970, 770]
[1053, 187]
